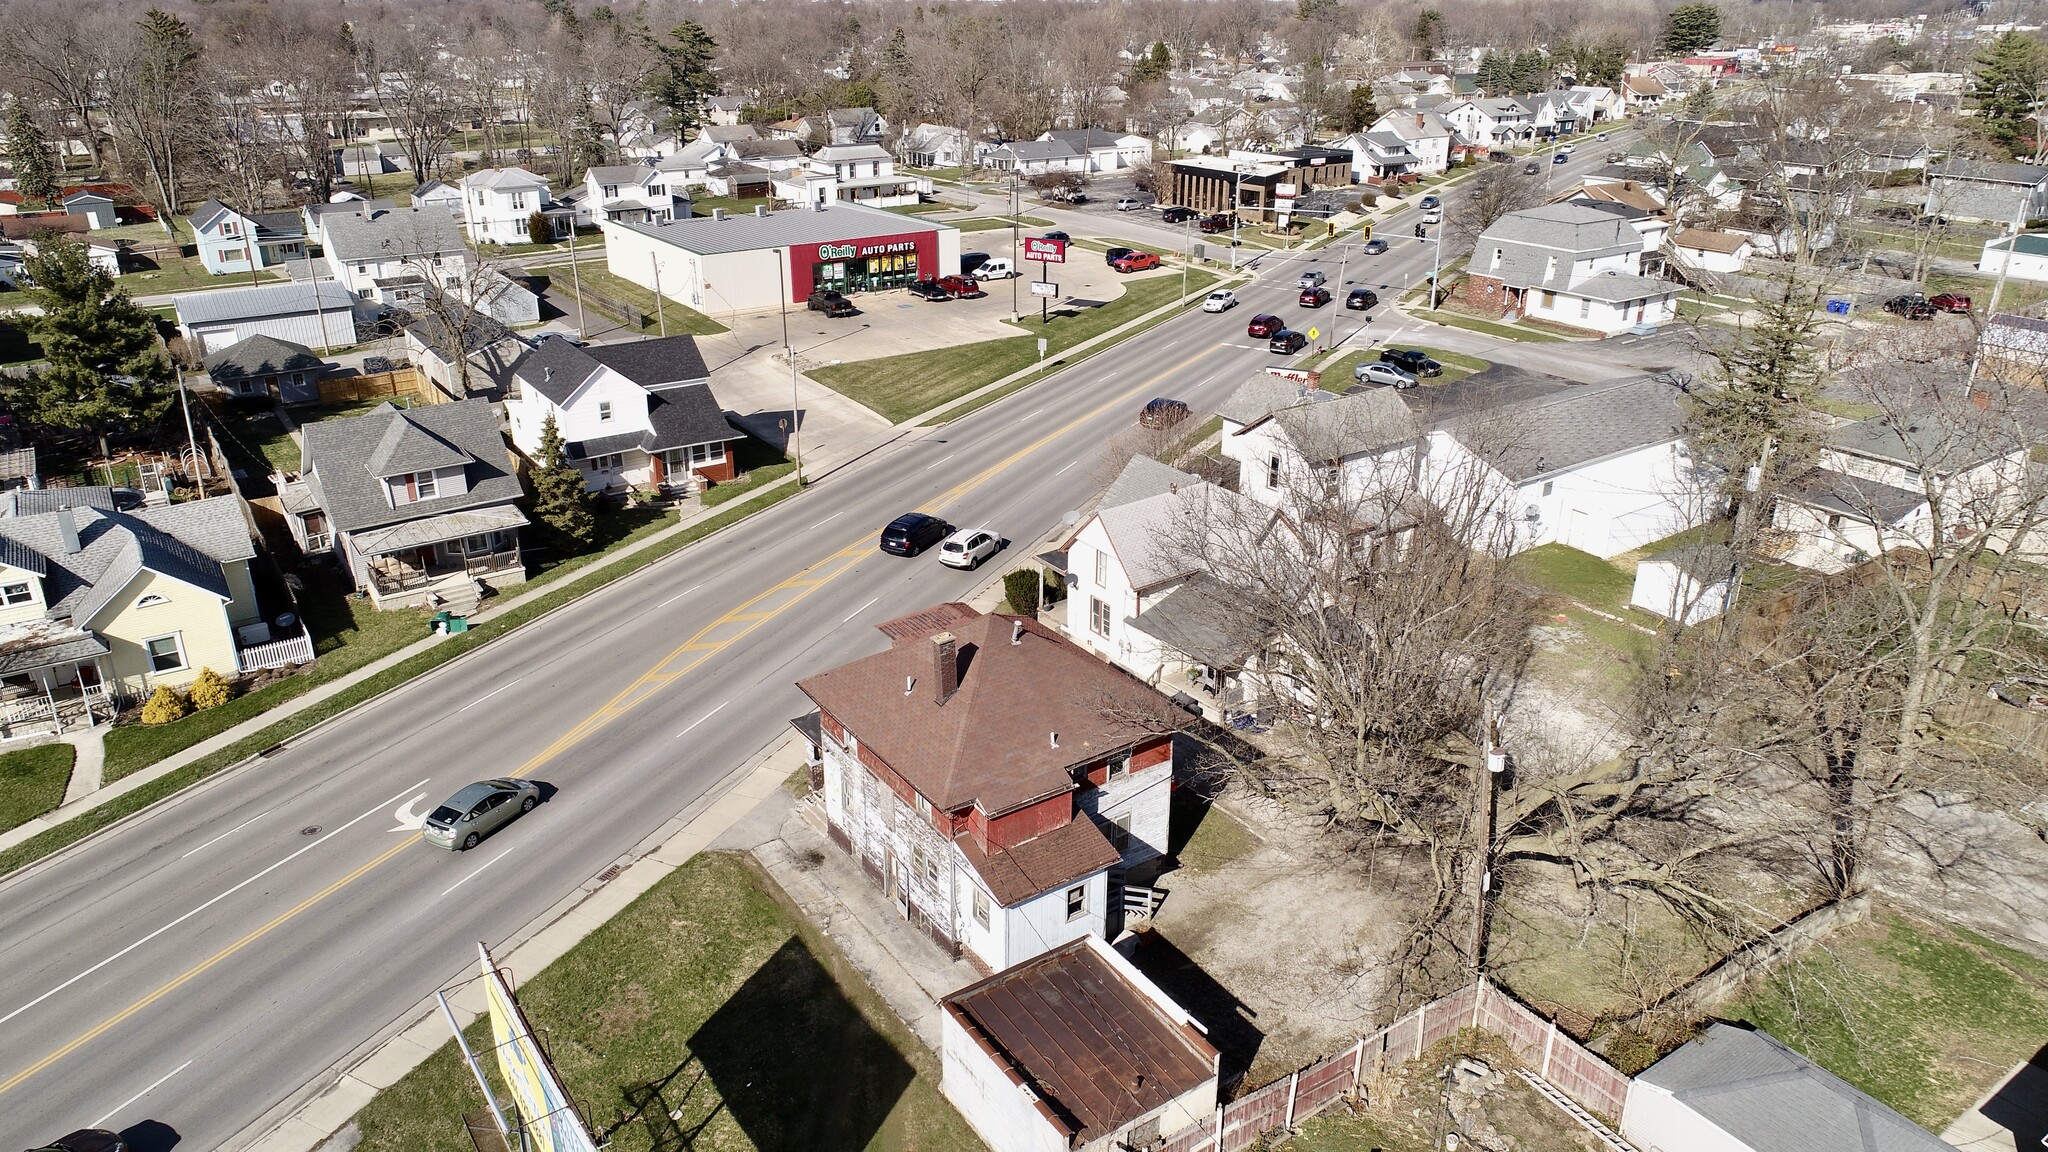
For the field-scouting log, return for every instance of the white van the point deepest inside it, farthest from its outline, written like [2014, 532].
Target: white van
[998, 269]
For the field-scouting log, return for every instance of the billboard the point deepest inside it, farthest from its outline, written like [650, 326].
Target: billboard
[545, 1110]
[1040, 248]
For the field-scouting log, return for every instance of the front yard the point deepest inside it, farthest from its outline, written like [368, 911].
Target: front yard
[709, 1015]
[602, 281]
[900, 387]
[186, 273]
[32, 781]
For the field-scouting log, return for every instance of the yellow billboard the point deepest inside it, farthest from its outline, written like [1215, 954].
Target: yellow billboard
[545, 1111]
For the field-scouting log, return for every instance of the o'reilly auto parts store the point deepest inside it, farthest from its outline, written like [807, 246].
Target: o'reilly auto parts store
[753, 262]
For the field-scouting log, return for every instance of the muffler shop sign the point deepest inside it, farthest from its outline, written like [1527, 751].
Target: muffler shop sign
[1049, 251]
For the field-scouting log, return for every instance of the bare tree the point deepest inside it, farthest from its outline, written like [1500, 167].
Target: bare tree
[1496, 191]
[61, 51]
[415, 90]
[158, 106]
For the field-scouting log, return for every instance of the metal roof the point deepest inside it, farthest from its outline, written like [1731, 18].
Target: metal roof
[706, 236]
[215, 305]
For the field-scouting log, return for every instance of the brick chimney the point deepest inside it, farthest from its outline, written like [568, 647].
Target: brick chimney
[945, 667]
[1418, 120]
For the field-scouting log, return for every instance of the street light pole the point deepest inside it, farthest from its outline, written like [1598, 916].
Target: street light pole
[1236, 203]
[1436, 263]
[796, 414]
[1014, 209]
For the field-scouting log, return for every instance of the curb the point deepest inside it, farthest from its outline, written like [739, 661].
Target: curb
[324, 1106]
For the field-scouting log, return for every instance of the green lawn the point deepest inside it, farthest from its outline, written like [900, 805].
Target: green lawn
[1205, 837]
[343, 411]
[32, 781]
[2018, 295]
[1457, 365]
[680, 319]
[149, 233]
[991, 223]
[1577, 575]
[1490, 327]
[758, 465]
[707, 1015]
[262, 432]
[185, 273]
[922, 209]
[1922, 1016]
[899, 387]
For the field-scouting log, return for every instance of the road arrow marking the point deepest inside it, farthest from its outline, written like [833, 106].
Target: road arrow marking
[408, 820]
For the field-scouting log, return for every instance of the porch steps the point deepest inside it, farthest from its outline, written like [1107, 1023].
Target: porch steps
[460, 599]
[1550, 1092]
[1142, 902]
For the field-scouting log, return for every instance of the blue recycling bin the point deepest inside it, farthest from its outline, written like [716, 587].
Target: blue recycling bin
[1838, 307]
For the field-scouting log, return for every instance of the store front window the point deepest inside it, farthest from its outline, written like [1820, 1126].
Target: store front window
[866, 273]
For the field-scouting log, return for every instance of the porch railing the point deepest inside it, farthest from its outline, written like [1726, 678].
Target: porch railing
[37, 709]
[398, 576]
[278, 653]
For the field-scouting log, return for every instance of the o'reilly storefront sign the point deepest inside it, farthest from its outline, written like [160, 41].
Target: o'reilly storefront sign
[869, 265]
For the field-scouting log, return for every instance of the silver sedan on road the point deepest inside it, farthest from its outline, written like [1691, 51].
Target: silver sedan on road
[464, 819]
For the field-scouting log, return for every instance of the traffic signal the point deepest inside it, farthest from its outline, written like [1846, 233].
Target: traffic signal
[1368, 229]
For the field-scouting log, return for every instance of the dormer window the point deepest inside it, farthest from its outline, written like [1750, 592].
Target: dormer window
[412, 488]
[12, 594]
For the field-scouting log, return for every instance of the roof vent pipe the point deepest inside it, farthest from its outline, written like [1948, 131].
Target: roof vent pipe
[1055, 739]
[718, 213]
[909, 682]
[67, 530]
[760, 210]
[1016, 631]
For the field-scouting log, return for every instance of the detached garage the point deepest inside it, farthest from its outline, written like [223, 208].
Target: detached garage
[318, 314]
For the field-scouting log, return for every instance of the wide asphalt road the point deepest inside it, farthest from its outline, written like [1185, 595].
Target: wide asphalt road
[203, 962]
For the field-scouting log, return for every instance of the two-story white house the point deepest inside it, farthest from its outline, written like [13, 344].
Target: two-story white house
[995, 781]
[1911, 480]
[1425, 134]
[851, 174]
[638, 415]
[497, 204]
[1574, 263]
[411, 258]
[641, 193]
[1289, 444]
[1492, 121]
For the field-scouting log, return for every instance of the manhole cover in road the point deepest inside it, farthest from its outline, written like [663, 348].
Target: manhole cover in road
[310, 830]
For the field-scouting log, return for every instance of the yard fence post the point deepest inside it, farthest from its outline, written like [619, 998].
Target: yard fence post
[1219, 1129]
[1357, 1064]
[1549, 1040]
[1421, 1028]
[1478, 994]
[1293, 1082]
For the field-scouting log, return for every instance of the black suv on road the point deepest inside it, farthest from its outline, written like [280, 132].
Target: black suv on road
[911, 533]
[1287, 342]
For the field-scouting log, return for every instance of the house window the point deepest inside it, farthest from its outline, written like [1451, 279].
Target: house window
[519, 201]
[166, 653]
[604, 409]
[1118, 765]
[609, 462]
[1119, 835]
[1101, 568]
[1585, 307]
[1077, 902]
[1549, 486]
[924, 806]
[1549, 299]
[1272, 471]
[16, 594]
[421, 486]
[702, 454]
[981, 908]
[1834, 523]
[149, 601]
[846, 791]
[1098, 617]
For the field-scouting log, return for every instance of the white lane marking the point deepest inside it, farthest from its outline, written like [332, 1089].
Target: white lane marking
[210, 903]
[678, 596]
[479, 870]
[826, 520]
[228, 833]
[408, 820]
[488, 695]
[102, 1121]
[1062, 471]
[700, 720]
[859, 610]
[939, 461]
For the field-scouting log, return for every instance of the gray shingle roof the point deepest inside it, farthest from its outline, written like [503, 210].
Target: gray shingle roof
[337, 454]
[706, 236]
[1568, 231]
[1154, 537]
[187, 542]
[1259, 397]
[1028, 150]
[1325, 427]
[259, 355]
[653, 363]
[1144, 478]
[1202, 620]
[1083, 139]
[1771, 1099]
[1617, 287]
[620, 173]
[258, 301]
[31, 501]
[2026, 174]
[1703, 560]
[391, 233]
[406, 447]
[1557, 432]
[1943, 445]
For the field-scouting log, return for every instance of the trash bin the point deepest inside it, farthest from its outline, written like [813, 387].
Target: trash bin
[457, 624]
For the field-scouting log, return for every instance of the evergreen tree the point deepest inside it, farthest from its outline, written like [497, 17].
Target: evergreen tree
[106, 371]
[35, 177]
[1429, 31]
[2006, 85]
[560, 500]
[1760, 416]
[1361, 111]
[682, 77]
[1494, 75]
[1531, 71]
[1691, 27]
[538, 229]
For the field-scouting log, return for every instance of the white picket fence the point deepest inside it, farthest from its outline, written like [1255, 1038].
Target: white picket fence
[278, 653]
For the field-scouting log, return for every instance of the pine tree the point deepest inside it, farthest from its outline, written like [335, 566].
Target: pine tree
[106, 371]
[682, 77]
[1361, 111]
[1429, 31]
[559, 498]
[35, 177]
[539, 230]
[1771, 380]
[2006, 85]
[1691, 27]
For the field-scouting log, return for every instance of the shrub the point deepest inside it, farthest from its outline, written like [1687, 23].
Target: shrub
[164, 705]
[1631, 1050]
[1020, 588]
[210, 690]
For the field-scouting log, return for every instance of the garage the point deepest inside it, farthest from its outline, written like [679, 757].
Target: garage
[758, 261]
[318, 314]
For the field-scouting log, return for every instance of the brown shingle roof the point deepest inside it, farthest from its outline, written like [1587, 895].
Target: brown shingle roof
[990, 744]
[1709, 241]
[1096, 1049]
[927, 622]
[1045, 862]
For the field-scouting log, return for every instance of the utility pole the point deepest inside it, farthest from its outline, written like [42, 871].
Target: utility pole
[576, 278]
[1015, 313]
[1492, 762]
[660, 312]
[1436, 263]
[184, 402]
[2012, 247]
[796, 414]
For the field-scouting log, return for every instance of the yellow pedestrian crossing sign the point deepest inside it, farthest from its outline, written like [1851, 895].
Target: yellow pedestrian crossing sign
[1315, 334]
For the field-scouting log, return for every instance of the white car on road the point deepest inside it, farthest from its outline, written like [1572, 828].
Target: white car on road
[1221, 300]
[968, 547]
[1311, 279]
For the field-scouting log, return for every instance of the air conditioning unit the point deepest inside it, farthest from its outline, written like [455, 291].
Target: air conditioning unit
[1532, 513]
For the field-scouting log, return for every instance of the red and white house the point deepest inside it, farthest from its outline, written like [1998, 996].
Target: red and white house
[759, 261]
[997, 782]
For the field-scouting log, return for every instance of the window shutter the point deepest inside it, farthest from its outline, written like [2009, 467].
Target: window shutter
[412, 486]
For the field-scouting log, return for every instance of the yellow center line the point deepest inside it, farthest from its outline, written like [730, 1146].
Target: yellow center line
[643, 688]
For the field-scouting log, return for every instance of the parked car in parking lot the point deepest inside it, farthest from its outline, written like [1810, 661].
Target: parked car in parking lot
[997, 269]
[911, 533]
[1950, 302]
[1371, 373]
[831, 303]
[464, 819]
[1315, 297]
[930, 290]
[965, 287]
[1132, 203]
[1163, 413]
[1362, 299]
[1135, 262]
[1374, 246]
[1177, 215]
[1221, 300]
[1412, 361]
[968, 547]
[1912, 306]
[1217, 222]
[1286, 342]
[1115, 254]
[1313, 278]
[1264, 325]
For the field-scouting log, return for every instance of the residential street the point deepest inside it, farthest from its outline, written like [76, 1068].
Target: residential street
[202, 963]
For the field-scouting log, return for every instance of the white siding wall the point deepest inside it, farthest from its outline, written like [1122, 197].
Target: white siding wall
[1144, 798]
[1655, 1122]
[1606, 508]
[991, 1103]
[1665, 589]
[1710, 261]
[1115, 591]
[1040, 924]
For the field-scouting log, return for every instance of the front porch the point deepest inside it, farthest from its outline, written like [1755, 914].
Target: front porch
[53, 677]
[451, 558]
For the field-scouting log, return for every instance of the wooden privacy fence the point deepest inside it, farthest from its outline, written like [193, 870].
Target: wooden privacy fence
[400, 382]
[1598, 1086]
